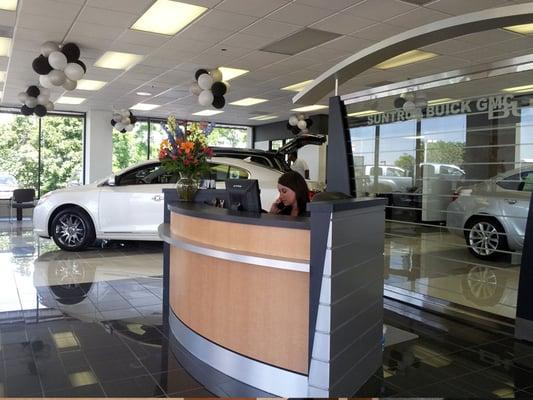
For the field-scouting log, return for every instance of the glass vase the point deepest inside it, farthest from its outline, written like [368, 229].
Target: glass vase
[187, 187]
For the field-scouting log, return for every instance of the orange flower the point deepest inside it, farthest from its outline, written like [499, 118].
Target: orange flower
[187, 147]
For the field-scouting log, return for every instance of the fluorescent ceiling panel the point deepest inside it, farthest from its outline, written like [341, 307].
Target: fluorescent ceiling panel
[309, 108]
[524, 28]
[117, 60]
[409, 57]
[70, 100]
[87, 84]
[5, 43]
[300, 41]
[297, 87]
[64, 340]
[144, 106]
[207, 113]
[440, 101]
[248, 101]
[363, 113]
[519, 89]
[8, 5]
[264, 117]
[168, 17]
[230, 73]
[82, 378]
[143, 94]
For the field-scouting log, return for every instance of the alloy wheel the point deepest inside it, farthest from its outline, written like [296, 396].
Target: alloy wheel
[484, 238]
[71, 230]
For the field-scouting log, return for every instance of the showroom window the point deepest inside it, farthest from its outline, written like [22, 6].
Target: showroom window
[45, 154]
[457, 189]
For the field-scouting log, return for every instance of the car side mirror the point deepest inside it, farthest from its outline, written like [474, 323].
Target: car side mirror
[111, 180]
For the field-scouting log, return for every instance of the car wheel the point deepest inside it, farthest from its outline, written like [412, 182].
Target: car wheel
[485, 238]
[72, 230]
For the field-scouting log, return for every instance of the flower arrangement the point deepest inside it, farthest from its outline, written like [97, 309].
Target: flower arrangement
[185, 151]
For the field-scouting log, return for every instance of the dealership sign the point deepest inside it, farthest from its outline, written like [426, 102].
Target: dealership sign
[496, 107]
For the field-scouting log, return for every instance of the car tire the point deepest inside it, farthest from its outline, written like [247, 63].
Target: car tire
[72, 229]
[485, 238]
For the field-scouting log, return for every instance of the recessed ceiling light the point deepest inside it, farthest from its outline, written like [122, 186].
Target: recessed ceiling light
[440, 101]
[297, 87]
[117, 60]
[519, 89]
[5, 43]
[82, 378]
[168, 17]
[70, 100]
[524, 28]
[363, 113]
[87, 84]
[144, 106]
[230, 73]
[248, 101]
[208, 112]
[143, 94]
[264, 117]
[309, 108]
[64, 340]
[8, 5]
[406, 58]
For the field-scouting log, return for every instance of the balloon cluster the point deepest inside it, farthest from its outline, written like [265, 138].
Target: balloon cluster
[299, 124]
[59, 66]
[123, 120]
[35, 100]
[209, 88]
[412, 103]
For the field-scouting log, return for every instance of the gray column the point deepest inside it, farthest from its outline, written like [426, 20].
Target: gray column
[98, 145]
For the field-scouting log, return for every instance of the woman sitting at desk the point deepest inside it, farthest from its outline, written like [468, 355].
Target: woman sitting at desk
[293, 195]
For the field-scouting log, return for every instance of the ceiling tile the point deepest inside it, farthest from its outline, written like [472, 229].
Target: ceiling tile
[378, 32]
[349, 44]
[100, 16]
[256, 8]
[342, 23]
[8, 18]
[131, 6]
[386, 9]
[458, 7]
[492, 36]
[257, 59]
[418, 17]
[224, 20]
[247, 41]
[334, 5]
[142, 38]
[301, 13]
[271, 29]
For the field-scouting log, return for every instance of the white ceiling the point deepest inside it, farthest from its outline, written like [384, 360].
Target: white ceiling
[241, 28]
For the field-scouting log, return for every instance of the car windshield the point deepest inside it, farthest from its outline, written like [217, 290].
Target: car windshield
[7, 180]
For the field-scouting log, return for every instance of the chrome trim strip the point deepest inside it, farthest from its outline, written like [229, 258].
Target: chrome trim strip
[425, 35]
[274, 380]
[166, 235]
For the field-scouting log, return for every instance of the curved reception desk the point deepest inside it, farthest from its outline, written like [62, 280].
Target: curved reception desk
[245, 297]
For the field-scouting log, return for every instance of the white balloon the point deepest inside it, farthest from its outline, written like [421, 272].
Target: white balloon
[293, 120]
[420, 102]
[300, 116]
[302, 124]
[205, 81]
[125, 120]
[195, 89]
[408, 96]
[49, 47]
[216, 74]
[70, 84]
[31, 102]
[49, 106]
[22, 96]
[129, 128]
[57, 77]
[409, 106]
[57, 60]
[119, 126]
[205, 98]
[43, 99]
[44, 81]
[125, 113]
[74, 71]
[117, 117]
[45, 91]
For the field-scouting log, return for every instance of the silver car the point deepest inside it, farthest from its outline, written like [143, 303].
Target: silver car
[492, 215]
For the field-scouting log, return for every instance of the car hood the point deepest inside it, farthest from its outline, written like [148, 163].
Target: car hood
[72, 189]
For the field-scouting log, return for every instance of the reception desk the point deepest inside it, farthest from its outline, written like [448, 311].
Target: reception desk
[254, 296]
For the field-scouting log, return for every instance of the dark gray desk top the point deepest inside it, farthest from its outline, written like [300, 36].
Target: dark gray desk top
[240, 217]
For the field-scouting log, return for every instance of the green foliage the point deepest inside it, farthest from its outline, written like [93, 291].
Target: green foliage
[445, 152]
[61, 150]
[227, 137]
[131, 147]
[407, 162]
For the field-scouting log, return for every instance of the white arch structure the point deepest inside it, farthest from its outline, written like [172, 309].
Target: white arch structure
[412, 39]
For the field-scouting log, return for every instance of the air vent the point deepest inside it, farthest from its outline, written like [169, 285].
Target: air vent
[300, 41]
[418, 2]
[378, 84]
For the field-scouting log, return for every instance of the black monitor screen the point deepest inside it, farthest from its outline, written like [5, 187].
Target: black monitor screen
[243, 194]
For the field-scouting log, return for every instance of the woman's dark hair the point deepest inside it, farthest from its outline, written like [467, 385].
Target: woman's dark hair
[294, 181]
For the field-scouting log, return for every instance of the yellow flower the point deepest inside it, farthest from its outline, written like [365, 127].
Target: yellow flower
[164, 144]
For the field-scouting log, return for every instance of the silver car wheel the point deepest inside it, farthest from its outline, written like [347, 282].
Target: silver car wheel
[484, 238]
[70, 230]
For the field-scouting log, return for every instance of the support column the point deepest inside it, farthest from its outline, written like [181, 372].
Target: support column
[98, 145]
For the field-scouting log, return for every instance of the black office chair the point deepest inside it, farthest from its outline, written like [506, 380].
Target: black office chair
[22, 198]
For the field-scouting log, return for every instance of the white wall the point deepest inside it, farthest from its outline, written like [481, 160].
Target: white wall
[99, 145]
[315, 157]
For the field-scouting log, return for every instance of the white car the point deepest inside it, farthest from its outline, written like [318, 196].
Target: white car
[129, 205]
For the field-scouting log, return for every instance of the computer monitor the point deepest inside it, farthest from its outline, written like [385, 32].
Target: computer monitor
[243, 195]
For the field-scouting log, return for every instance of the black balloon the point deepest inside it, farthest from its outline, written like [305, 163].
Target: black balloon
[295, 130]
[41, 65]
[133, 119]
[82, 65]
[219, 89]
[25, 110]
[289, 126]
[123, 131]
[399, 102]
[309, 122]
[40, 110]
[219, 102]
[113, 122]
[33, 91]
[200, 72]
[71, 51]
